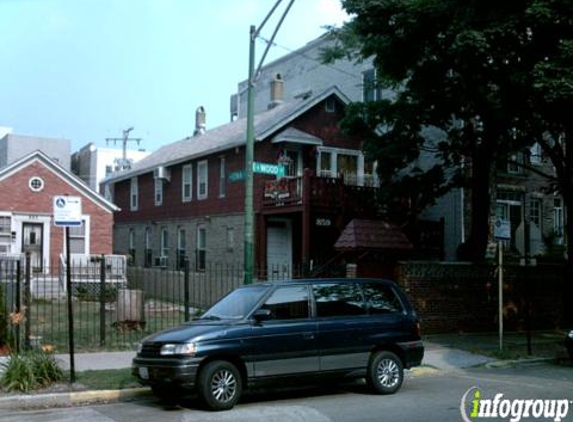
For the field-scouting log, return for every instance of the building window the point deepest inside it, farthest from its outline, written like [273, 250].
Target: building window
[515, 166]
[202, 180]
[230, 239]
[134, 194]
[36, 184]
[325, 164]
[78, 238]
[187, 183]
[558, 219]
[5, 233]
[181, 249]
[148, 248]
[158, 192]
[535, 154]
[131, 259]
[330, 105]
[164, 247]
[108, 170]
[222, 178]
[201, 253]
[347, 164]
[370, 89]
[535, 212]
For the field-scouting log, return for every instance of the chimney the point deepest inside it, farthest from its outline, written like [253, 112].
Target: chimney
[199, 121]
[276, 91]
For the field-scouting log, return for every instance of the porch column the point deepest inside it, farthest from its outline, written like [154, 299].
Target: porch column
[306, 214]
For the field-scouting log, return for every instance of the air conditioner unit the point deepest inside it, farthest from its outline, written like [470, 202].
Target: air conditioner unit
[162, 173]
[160, 262]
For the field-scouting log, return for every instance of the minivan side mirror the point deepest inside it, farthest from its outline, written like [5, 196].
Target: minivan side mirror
[261, 315]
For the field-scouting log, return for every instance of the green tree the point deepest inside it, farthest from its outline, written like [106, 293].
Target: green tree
[488, 77]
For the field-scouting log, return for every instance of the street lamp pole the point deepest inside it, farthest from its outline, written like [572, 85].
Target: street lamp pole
[250, 148]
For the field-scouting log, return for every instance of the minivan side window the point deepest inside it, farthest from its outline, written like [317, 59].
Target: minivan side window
[288, 303]
[338, 299]
[381, 299]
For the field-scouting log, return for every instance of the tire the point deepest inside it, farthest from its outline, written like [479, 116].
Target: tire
[219, 385]
[385, 373]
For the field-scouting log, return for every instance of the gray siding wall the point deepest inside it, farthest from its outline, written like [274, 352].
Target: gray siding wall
[218, 251]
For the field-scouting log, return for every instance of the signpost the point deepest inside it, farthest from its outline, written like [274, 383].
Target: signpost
[68, 213]
[502, 232]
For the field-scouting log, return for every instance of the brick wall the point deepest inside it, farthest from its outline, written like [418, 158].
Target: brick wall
[461, 297]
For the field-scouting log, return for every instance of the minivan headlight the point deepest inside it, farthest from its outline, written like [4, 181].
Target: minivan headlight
[139, 347]
[188, 349]
[570, 334]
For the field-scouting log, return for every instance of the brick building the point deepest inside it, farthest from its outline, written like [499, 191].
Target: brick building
[187, 198]
[28, 186]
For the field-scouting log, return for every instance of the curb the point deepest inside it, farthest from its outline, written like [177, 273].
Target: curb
[422, 371]
[501, 364]
[70, 399]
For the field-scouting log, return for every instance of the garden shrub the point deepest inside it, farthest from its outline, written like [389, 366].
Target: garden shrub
[30, 371]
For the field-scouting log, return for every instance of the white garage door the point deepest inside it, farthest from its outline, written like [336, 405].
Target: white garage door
[279, 249]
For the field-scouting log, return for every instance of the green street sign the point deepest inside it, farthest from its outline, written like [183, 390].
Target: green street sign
[266, 168]
[237, 176]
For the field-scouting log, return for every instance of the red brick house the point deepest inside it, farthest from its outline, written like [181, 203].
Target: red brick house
[27, 189]
[187, 198]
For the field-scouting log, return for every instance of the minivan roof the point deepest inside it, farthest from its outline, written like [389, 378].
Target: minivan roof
[324, 281]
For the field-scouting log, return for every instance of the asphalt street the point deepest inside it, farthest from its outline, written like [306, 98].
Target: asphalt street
[422, 398]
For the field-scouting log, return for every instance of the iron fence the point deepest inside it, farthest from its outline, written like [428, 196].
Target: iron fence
[114, 305]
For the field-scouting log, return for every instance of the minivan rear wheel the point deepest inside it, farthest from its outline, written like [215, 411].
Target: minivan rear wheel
[385, 372]
[219, 385]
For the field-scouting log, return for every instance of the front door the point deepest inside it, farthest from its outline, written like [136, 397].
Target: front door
[279, 249]
[32, 242]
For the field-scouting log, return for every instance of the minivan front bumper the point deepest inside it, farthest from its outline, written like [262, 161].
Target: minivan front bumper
[154, 371]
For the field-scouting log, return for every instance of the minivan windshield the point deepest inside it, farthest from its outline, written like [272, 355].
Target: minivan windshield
[237, 304]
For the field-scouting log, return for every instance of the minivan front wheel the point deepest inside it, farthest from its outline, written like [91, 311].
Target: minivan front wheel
[219, 385]
[385, 373]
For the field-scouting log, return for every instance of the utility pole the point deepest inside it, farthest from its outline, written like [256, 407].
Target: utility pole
[254, 32]
[124, 140]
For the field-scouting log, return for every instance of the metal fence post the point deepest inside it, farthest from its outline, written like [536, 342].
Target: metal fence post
[186, 289]
[27, 301]
[102, 300]
[18, 303]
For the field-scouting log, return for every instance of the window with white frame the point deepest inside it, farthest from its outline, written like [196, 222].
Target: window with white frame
[79, 238]
[345, 163]
[131, 246]
[222, 178]
[370, 89]
[181, 248]
[202, 180]
[164, 241]
[134, 195]
[5, 233]
[535, 154]
[558, 217]
[187, 183]
[201, 251]
[158, 192]
[535, 209]
[148, 248]
[515, 164]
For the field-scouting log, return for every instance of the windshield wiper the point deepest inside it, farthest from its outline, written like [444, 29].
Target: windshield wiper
[211, 318]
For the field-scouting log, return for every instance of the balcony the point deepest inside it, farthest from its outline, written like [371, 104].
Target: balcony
[325, 192]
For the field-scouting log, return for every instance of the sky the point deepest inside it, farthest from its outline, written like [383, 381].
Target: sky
[85, 70]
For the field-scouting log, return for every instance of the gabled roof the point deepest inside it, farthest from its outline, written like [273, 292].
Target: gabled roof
[227, 136]
[372, 235]
[61, 172]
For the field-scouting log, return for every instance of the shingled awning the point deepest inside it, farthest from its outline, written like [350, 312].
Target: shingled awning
[372, 235]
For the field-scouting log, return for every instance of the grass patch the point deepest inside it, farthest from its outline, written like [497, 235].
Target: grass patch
[108, 379]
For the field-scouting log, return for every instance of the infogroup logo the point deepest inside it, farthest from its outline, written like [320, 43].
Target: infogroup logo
[475, 407]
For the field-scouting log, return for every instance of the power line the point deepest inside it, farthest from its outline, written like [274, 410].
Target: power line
[301, 54]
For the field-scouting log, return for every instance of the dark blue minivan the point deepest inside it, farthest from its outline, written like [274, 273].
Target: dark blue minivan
[288, 330]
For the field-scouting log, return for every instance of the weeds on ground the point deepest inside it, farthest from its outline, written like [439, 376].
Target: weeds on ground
[30, 371]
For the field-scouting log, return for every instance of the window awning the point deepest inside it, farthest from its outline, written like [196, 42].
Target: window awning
[296, 136]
